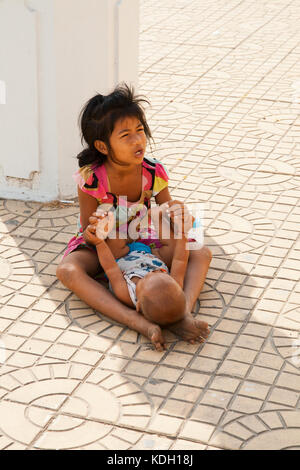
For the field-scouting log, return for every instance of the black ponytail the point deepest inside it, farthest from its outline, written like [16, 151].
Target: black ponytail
[98, 117]
[89, 156]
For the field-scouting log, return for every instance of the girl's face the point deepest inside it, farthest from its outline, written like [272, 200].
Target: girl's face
[128, 142]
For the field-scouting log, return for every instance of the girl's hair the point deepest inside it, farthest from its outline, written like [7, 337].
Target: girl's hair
[99, 116]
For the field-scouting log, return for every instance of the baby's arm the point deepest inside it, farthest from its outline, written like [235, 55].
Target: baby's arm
[95, 234]
[175, 246]
[113, 272]
[164, 196]
[165, 235]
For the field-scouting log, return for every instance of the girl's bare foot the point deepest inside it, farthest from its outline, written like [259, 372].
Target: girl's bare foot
[190, 329]
[156, 337]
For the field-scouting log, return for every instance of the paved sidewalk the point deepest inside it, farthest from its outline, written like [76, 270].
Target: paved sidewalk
[223, 77]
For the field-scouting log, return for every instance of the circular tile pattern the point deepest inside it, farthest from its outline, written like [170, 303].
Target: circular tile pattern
[56, 212]
[246, 50]
[270, 430]
[11, 219]
[15, 265]
[39, 416]
[210, 303]
[188, 69]
[249, 25]
[167, 82]
[279, 122]
[50, 215]
[5, 269]
[236, 230]
[251, 172]
[222, 35]
[54, 215]
[255, 23]
[201, 108]
[22, 208]
[287, 89]
[173, 155]
[287, 342]
[170, 112]
[191, 110]
[214, 78]
[280, 438]
[54, 409]
[173, 149]
[2, 353]
[186, 65]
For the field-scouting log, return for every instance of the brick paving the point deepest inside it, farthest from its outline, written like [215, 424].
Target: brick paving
[224, 82]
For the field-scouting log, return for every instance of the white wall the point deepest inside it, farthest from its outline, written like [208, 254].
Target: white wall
[65, 51]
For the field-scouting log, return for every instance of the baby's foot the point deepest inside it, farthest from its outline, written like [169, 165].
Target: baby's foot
[190, 329]
[156, 337]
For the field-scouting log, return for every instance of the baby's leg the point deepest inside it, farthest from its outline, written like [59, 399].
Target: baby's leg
[166, 237]
[76, 272]
[165, 252]
[118, 247]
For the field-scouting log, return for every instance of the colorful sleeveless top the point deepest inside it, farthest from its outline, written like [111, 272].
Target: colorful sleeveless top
[93, 180]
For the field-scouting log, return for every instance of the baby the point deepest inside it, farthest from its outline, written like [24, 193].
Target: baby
[152, 290]
[150, 280]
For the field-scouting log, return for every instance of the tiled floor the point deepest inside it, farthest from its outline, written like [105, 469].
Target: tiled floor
[224, 82]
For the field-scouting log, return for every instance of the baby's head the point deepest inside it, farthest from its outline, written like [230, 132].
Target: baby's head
[160, 298]
[99, 118]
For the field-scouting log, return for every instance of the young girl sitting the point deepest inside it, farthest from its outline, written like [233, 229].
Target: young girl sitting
[114, 171]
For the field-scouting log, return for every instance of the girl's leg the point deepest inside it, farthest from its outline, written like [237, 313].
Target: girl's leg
[166, 237]
[76, 270]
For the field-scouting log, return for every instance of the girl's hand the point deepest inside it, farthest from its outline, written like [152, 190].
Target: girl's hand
[159, 211]
[180, 217]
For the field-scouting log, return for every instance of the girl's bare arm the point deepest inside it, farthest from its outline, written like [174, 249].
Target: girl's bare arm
[88, 204]
[163, 196]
